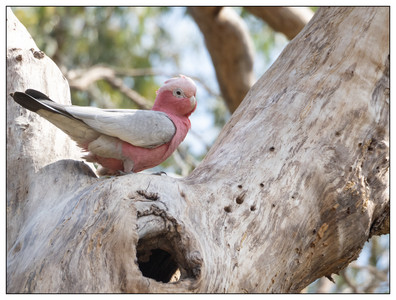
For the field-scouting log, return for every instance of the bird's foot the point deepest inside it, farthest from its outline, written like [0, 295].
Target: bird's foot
[104, 172]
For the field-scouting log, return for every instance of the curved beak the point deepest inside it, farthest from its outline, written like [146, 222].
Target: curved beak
[193, 102]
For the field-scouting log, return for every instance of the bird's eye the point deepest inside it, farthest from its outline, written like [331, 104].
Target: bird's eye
[178, 93]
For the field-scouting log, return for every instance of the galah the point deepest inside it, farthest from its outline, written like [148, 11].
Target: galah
[123, 140]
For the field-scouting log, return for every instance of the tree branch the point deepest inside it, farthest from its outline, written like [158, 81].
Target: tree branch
[287, 20]
[349, 282]
[31, 142]
[157, 72]
[81, 79]
[231, 49]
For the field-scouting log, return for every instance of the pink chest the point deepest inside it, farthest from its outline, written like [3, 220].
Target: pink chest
[145, 158]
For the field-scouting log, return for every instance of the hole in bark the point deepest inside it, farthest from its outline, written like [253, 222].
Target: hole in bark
[272, 149]
[228, 209]
[240, 198]
[159, 265]
[161, 253]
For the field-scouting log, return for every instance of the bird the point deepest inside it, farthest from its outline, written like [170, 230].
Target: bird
[122, 141]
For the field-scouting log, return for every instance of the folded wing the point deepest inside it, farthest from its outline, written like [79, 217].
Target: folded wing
[141, 128]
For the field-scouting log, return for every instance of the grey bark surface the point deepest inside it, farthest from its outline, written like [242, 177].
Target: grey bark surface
[291, 190]
[31, 141]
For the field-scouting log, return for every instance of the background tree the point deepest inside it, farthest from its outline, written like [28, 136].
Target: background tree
[146, 195]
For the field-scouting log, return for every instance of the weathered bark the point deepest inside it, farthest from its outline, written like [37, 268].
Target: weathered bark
[293, 187]
[287, 20]
[231, 48]
[31, 141]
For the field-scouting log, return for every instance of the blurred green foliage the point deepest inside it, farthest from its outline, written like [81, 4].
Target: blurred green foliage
[80, 37]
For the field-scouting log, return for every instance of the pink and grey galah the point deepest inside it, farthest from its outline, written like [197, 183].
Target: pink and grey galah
[123, 140]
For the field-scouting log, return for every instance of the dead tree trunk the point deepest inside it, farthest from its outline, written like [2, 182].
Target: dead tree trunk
[290, 192]
[32, 142]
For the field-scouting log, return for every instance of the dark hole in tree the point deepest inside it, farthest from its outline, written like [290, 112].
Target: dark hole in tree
[159, 266]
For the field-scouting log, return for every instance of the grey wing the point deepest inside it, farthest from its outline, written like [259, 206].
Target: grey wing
[143, 128]
[55, 113]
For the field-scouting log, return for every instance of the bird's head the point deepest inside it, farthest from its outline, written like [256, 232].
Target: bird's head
[177, 96]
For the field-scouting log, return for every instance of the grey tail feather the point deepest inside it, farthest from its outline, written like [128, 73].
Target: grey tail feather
[34, 100]
[36, 94]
